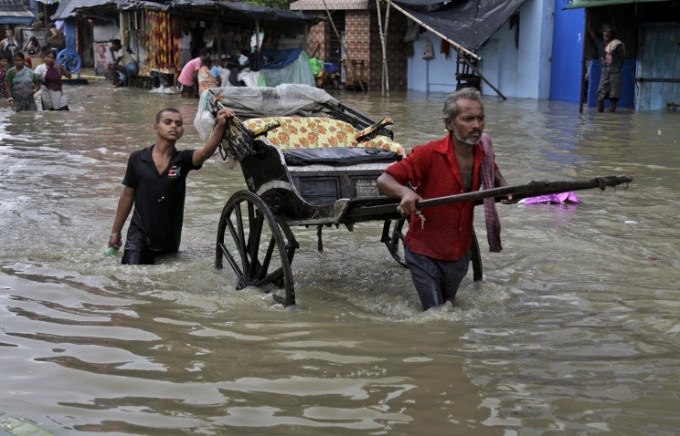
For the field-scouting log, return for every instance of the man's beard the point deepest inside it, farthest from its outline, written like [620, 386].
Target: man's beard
[472, 139]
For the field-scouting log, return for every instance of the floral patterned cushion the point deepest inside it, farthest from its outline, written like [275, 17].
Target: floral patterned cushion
[318, 132]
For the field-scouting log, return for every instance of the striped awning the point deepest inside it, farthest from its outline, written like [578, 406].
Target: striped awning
[318, 5]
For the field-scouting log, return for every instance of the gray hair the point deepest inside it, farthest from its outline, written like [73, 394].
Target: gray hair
[451, 103]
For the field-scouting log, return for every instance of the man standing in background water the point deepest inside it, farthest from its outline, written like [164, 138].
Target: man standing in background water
[611, 52]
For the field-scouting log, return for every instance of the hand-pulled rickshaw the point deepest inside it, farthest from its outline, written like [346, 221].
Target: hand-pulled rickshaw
[310, 161]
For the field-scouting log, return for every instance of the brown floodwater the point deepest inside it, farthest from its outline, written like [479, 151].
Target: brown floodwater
[574, 329]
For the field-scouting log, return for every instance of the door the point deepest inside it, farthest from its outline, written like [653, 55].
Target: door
[658, 69]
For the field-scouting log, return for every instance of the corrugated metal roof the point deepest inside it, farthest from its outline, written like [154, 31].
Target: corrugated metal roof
[69, 8]
[14, 12]
[12, 6]
[318, 5]
[66, 8]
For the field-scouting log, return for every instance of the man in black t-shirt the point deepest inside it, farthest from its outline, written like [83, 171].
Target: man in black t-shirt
[155, 184]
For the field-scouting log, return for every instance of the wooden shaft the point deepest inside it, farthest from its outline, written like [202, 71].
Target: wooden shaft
[531, 189]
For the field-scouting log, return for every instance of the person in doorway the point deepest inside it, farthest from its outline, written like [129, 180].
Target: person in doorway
[124, 65]
[611, 52]
[50, 73]
[184, 47]
[438, 243]
[155, 184]
[22, 84]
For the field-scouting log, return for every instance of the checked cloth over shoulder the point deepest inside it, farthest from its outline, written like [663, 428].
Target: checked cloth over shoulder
[493, 222]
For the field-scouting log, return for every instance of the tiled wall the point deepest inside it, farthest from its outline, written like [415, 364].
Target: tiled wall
[317, 37]
[357, 44]
[396, 55]
[362, 45]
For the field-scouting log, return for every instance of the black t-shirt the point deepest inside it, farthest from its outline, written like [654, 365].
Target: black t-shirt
[158, 213]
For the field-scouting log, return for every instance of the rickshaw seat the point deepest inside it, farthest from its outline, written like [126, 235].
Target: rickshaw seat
[319, 133]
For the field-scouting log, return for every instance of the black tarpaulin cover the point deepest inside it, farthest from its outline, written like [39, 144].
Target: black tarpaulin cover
[67, 8]
[469, 23]
[252, 12]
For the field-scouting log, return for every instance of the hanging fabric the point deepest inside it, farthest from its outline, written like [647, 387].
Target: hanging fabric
[428, 49]
[444, 48]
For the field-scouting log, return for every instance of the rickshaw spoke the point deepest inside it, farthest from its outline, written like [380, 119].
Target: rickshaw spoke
[254, 243]
[231, 260]
[237, 236]
[272, 277]
[268, 256]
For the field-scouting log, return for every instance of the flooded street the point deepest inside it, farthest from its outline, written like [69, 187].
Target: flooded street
[574, 329]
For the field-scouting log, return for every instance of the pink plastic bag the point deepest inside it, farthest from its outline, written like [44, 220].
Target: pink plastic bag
[562, 197]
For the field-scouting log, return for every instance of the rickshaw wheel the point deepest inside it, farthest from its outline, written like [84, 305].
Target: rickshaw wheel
[393, 238]
[251, 239]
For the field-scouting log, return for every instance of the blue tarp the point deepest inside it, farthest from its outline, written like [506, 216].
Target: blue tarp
[279, 58]
[287, 66]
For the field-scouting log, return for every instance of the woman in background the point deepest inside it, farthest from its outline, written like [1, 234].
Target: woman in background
[206, 80]
[50, 73]
[22, 84]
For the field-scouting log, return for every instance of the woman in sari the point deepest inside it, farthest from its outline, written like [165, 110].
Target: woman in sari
[206, 80]
[22, 84]
[53, 98]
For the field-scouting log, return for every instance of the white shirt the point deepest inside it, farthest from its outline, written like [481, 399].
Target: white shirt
[185, 42]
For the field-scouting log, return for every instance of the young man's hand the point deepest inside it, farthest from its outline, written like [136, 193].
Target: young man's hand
[223, 115]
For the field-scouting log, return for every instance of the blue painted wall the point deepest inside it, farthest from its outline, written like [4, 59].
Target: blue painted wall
[518, 72]
[567, 53]
[433, 75]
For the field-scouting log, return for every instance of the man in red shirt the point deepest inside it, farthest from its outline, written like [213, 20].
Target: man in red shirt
[438, 243]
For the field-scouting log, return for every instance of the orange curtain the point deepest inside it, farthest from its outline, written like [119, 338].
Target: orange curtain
[162, 35]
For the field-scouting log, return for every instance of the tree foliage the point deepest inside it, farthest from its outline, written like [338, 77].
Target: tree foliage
[278, 4]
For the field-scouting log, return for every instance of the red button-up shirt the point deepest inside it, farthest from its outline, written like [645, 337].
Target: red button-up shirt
[432, 169]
